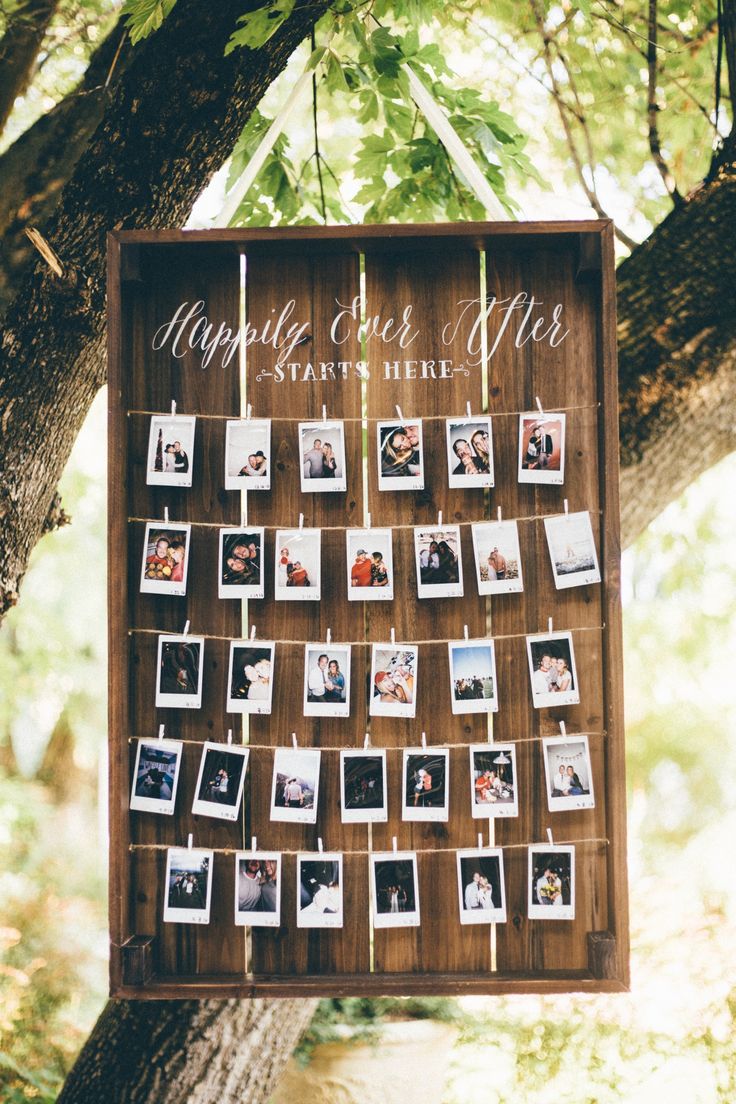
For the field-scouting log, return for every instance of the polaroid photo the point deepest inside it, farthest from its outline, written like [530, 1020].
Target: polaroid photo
[552, 670]
[258, 889]
[493, 781]
[322, 451]
[327, 680]
[156, 776]
[572, 550]
[250, 676]
[180, 666]
[473, 683]
[551, 882]
[497, 557]
[295, 787]
[542, 448]
[165, 559]
[248, 455]
[363, 794]
[470, 452]
[439, 561]
[425, 784]
[400, 456]
[188, 886]
[568, 773]
[298, 565]
[393, 685]
[394, 889]
[319, 890]
[481, 890]
[241, 563]
[170, 451]
[219, 789]
[370, 565]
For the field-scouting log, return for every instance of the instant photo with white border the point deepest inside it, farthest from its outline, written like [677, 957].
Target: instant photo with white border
[537, 445]
[496, 550]
[374, 548]
[470, 451]
[549, 645]
[300, 550]
[370, 805]
[499, 797]
[148, 751]
[163, 531]
[436, 579]
[422, 798]
[395, 678]
[180, 861]
[577, 565]
[547, 857]
[254, 690]
[400, 465]
[394, 916]
[191, 696]
[170, 430]
[254, 917]
[473, 681]
[217, 806]
[326, 686]
[244, 579]
[300, 768]
[566, 791]
[478, 903]
[317, 438]
[248, 440]
[319, 912]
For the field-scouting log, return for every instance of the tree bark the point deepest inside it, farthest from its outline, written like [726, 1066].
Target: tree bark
[19, 48]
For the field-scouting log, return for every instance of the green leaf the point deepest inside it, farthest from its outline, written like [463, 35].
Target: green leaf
[334, 74]
[258, 26]
[145, 16]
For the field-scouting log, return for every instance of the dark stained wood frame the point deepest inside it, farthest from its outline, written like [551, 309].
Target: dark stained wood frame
[587, 955]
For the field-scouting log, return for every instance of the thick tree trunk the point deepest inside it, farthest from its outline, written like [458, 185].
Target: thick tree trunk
[19, 48]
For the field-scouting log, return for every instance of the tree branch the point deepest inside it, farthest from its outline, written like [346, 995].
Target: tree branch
[653, 109]
[19, 48]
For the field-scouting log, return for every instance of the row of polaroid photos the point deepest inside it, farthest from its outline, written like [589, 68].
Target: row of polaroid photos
[321, 446]
[493, 787]
[394, 887]
[393, 678]
[369, 565]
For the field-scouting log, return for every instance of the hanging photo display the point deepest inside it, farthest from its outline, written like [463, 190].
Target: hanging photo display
[395, 889]
[542, 448]
[188, 885]
[551, 882]
[572, 550]
[497, 557]
[295, 786]
[258, 889]
[298, 565]
[319, 890]
[400, 456]
[180, 668]
[219, 788]
[439, 563]
[248, 454]
[568, 773]
[363, 793]
[470, 452]
[156, 776]
[473, 685]
[425, 785]
[250, 676]
[552, 671]
[493, 781]
[241, 563]
[370, 565]
[165, 559]
[170, 451]
[322, 452]
[393, 682]
[480, 886]
[327, 680]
